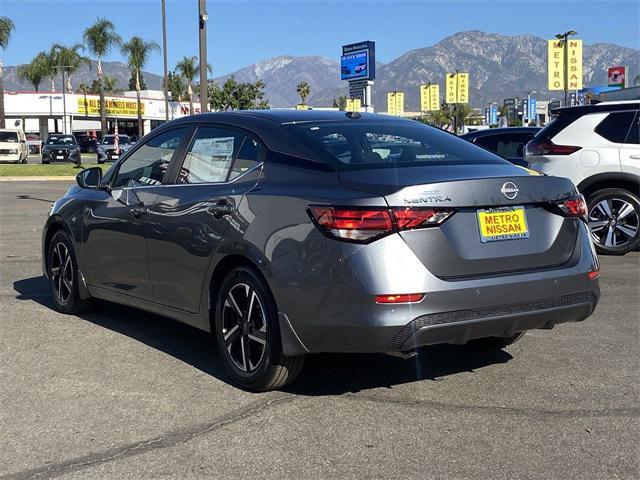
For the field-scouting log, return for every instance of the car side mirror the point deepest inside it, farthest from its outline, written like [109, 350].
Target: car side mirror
[90, 178]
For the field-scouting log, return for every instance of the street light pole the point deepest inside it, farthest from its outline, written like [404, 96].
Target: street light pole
[202, 24]
[164, 54]
[563, 39]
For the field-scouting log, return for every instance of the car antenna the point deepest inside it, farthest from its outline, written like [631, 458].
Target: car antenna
[353, 115]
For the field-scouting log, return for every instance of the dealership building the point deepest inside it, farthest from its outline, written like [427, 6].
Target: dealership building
[41, 113]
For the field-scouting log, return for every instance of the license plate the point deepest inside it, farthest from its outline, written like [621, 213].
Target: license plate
[115, 156]
[60, 157]
[504, 223]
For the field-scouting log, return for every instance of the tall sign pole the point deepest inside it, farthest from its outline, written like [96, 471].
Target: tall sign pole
[164, 54]
[358, 67]
[202, 23]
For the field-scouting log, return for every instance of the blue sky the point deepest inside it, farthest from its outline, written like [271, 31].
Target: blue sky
[243, 32]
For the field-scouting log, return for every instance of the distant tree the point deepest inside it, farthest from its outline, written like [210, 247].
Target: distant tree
[189, 69]
[138, 51]
[175, 86]
[340, 102]
[70, 59]
[99, 39]
[304, 90]
[34, 72]
[109, 85]
[235, 95]
[84, 89]
[132, 82]
[6, 29]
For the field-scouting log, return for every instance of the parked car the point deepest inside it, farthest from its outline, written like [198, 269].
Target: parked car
[598, 148]
[106, 150]
[61, 148]
[256, 227]
[88, 144]
[507, 142]
[13, 146]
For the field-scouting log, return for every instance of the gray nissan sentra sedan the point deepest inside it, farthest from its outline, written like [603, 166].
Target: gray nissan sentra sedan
[285, 233]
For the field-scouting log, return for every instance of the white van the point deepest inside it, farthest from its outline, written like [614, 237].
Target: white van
[13, 146]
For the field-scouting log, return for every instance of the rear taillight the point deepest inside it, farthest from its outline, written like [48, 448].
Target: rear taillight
[547, 147]
[400, 298]
[363, 225]
[573, 207]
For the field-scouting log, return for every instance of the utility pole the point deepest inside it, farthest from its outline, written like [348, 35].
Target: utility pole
[565, 49]
[202, 24]
[164, 54]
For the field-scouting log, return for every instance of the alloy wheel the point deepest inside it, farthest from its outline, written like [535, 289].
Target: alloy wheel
[244, 327]
[62, 273]
[613, 222]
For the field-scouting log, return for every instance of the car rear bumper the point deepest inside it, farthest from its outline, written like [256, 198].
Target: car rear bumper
[347, 318]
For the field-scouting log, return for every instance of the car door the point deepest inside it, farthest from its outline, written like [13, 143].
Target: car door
[115, 247]
[630, 150]
[191, 218]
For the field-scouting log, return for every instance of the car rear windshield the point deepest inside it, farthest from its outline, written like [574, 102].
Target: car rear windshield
[60, 140]
[559, 123]
[109, 140]
[11, 137]
[358, 145]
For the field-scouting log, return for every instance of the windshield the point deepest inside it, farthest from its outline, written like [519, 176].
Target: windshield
[11, 137]
[61, 140]
[358, 145]
[109, 140]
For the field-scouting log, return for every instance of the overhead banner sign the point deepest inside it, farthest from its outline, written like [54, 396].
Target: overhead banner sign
[112, 106]
[555, 61]
[457, 88]
[395, 103]
[617, 76]
[429, 98]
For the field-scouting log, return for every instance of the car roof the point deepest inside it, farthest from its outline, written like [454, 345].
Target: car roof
[489, 132]
[579, 110]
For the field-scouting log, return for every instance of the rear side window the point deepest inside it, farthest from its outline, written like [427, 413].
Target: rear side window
[359, 144]
[210, 156]
[617, 126]
[248, 157]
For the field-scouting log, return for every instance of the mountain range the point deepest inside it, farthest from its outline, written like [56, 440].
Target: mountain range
[499, 67]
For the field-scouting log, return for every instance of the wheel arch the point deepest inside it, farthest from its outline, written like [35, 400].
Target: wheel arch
[625, 181]
[54, 224]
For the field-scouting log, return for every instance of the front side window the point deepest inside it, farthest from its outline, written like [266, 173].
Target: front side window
[10, 137]
[357, 144]
[210, 156]
[148, 164]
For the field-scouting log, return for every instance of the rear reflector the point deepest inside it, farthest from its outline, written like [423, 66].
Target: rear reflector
[363, 225]
[403, 298]
[594, 274]
[573, 207]
[547, 147]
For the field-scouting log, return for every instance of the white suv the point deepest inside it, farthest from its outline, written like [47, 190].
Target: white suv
[598, 147]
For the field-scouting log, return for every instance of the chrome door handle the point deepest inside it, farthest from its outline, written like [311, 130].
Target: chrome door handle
[635, 156]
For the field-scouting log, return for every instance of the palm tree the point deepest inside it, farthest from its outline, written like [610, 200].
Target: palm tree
[34, 71]
[175, 86]
[110, 84]
[304, 90]
[70, 59]
[137, 50]
[83, 88]
[99, 39]
[6, 29]
[189, 69]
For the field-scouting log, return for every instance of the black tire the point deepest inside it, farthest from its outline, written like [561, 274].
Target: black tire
[63, 276]
[100, 162]
[251, 364]
[494, 343]
[614, 220]
[45, 163]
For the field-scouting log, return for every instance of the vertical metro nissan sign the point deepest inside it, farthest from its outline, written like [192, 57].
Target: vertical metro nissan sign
[556, 66]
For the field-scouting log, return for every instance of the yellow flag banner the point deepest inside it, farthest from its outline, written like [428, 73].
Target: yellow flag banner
[395, 103]
[555, 64]
[354, 105]
[463, 88]
[429, 98]
[450, 93]
[434, 97]
[112, 106]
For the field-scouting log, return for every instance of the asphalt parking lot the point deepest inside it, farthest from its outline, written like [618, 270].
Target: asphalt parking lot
[123, 394]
